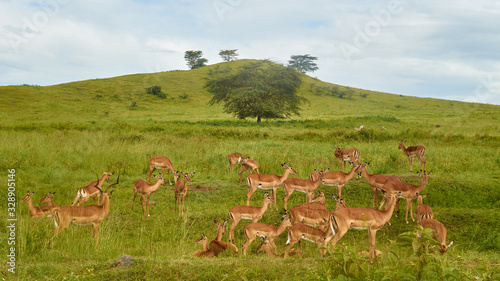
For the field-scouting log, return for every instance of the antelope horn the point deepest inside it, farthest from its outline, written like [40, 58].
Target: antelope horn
[117, 180]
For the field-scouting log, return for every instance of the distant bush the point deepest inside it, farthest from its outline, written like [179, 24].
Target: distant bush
[156, 91]
[184, 97]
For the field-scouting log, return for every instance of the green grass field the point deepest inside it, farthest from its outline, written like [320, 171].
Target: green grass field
[60, 137]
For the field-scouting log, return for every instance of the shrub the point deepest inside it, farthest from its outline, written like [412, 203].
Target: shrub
[156, 91]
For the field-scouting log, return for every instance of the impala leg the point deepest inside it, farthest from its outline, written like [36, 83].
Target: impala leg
[98, 198]
[411, 163]
[249, 194]
[76, 198]
[246, 245]
[84, 199]
[372, 234]
[287, 196]
[339, 191]
[291, 242]
[133, 200]
[143, 202]
[275, 189]
[183, 198]
[150, 171]
[408, 204]
[168, 171]
[271, 241]
[231, 230]
[374, 195]
[411, 209]
[243, 168]
[147, 205]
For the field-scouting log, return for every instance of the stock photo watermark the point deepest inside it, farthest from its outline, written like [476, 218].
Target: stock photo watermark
[32, 25]
[366, 33]
[486, 89]
[221, 7]
[11, 220]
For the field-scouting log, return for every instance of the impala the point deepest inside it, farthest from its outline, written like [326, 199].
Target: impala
[238, 213]
[439, 232]
[268, 231]
[340, 203]
[90, 190]
[218, 246]
[346, 155]
[414, 151]
[308, 233]
[181, 189]
[267, 182]
[311, 217]
[423, 211]
[205, 253]
[48, 199]
[342, 220]
[248, 164]
[145, 189]
[408, 191]
[317, 202]
[301, 185]
[377, 181]
[36, 211]
[233, 159]
[337, 178]
[161, 163]
[83, 215]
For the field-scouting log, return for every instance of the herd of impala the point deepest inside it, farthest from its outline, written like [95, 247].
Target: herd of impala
[310, 221]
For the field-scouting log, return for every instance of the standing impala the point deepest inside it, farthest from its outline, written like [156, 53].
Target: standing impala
[268, 231]
[301, 185]
[311, 234]
[248, 164]
[90, 190]
[238, 213]
[161, 163]
[414, 151]
[145, 189]
[346, 155]
[408, 191]
[181, 189]
[377, 181]
[423, 211]
[337, 178]
[439, 232]
[267, 182]
[233, 159]
[83, 215]
[342, 220]
[48, 199]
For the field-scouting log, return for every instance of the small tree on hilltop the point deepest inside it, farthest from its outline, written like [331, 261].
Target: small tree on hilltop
[303, 63]
[194, 59]
[228, 55]
[258, 90]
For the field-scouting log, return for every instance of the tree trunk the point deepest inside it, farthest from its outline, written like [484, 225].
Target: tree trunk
[258, 119]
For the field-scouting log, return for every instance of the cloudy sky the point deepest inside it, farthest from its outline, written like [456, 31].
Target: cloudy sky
[440, 49]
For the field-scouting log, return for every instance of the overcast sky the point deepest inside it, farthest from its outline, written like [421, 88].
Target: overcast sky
[441, 49]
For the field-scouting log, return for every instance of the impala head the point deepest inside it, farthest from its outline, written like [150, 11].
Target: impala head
[47, 197]
[162, 180]
[107, 187]
[320, 198]
[263, 245]
[286, 220]
[337, 150]
[424, 176]
[341, 203]
[268, 198]
[401, 144]
[187, 177]
[292, 171]
[28, 197]
[106, 176]
[201, 240]
[221, 225]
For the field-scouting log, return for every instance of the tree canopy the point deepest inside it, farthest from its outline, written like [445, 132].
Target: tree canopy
[194, 59]
[259, 90]
[228, 55]
[303, 63]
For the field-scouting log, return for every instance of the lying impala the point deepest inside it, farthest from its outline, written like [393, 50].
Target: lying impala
[377, 181]
[233, 159]
[336, 178]
[342, 220]
[205, 253]
[346, 155]
[248, 164]
[83, 215]
[267, 182]
[414, 151]
[268, 231]
[423, 211]
[218, 246]
[301, 185]
[408, 191]
[238, 213]
[161, 163]
[439, 232]
[91, 190]
[180, 190]
[145, 189]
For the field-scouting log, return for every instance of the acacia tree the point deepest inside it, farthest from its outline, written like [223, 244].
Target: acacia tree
[194, 59]
[228, 55]
[257, 90]
[303, 63]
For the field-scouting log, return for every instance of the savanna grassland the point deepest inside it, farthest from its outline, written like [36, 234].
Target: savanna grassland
[59, 138]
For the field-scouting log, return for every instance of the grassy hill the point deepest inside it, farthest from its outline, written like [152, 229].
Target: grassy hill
[58, 138]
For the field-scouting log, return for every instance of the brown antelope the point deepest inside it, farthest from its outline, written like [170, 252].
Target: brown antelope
[161, 163]
[346, 155]
[423, 211]
[205, 253]
[90, 190]
[48, 199]
[337, 178]
[266, 246]
[218, 246]
[181, 189]
[414, 151]
[311, 234]
[268, 231]
[317, 202]
[408, 191]
[377, 181]
[233, 159]
[311, 217]
[35, 211]
[342, 220]
[83, 215]
[253, 213]
[301, 185]
[439, 232]
[145, 189]
[340, 203]
[248, 164]
[267, 182]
